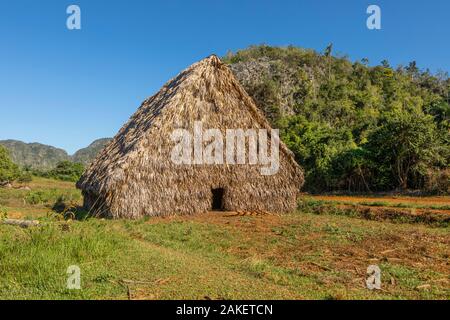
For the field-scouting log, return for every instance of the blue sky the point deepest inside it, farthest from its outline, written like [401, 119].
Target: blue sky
[66, 88]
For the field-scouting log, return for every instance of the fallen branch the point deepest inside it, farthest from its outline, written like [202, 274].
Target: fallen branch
[388, 251]
[320, 266]
[135, 282]
[20, 223]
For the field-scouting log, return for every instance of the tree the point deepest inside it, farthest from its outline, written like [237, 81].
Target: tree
[328, 50]
[385, 64]
[314, 146]
[413, 70]
[327, 53]
[67, 171]
[351, 169]
[404, 145]
[9, 171]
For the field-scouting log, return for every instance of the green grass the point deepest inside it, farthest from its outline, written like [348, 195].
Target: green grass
[303, 255]
[38, 201]
[34, 261]
[385, 204]
[193, 259]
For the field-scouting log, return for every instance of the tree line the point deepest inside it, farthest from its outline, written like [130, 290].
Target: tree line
[10, 172]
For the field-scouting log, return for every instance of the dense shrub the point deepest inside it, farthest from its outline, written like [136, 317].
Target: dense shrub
[65, 171]
[25, 177]
[402, 148]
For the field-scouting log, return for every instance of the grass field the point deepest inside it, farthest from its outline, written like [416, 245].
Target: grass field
[318, 252]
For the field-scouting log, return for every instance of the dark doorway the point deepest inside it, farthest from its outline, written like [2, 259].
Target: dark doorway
[217, 199]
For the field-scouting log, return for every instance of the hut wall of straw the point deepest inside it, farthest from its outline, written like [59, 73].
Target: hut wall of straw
[134, 175]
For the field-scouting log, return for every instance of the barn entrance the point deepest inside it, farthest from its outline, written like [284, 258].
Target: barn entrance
[217, 199]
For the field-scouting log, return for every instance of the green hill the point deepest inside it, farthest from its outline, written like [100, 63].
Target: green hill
[353, 126]
[86, 155]
[43, 157]
[34, 155]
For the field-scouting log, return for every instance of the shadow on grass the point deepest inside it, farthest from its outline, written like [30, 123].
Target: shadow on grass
[68, 210]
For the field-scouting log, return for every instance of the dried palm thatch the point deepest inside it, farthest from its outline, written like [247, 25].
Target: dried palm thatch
[133, 176]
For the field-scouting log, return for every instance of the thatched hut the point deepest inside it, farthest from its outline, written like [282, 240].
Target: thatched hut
[134, 176]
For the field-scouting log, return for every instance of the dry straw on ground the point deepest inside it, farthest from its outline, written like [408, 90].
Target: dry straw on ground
[134, 176]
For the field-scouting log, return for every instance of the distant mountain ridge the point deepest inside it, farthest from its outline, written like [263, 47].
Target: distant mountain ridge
[44, 157]
[86, 155]
[34, 155]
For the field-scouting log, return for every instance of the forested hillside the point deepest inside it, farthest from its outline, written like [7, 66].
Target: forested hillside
[351, 125]
[34, 155]
[38, 156]
[86, 155]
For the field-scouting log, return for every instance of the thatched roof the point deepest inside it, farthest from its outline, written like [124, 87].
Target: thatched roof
[134, 175]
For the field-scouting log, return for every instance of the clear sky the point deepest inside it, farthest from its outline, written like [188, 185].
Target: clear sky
[66, 88]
